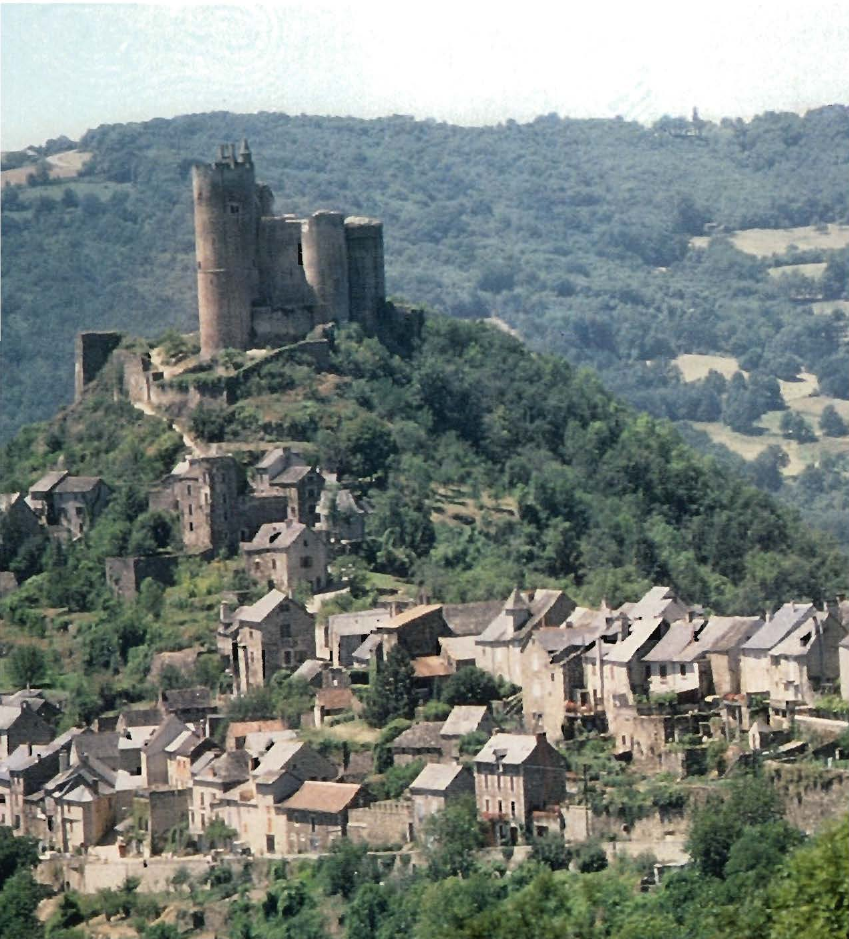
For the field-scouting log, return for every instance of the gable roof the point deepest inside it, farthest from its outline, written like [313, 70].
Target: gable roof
[658, 603]
[672, 647]
[359, 623]
[437, 777]
[620, 653]
[230, 768]
[276, 535]
[48, 481]
[411, 615]
[458, 648]
[331, 797]
[257, 612]
[291, 475]
[470, 619]
[514, 748]
[79, 484]
[366, 649]
[798, 642]
[463, 719]
[308, 670]
[423, 736]
[8, 715]
[431, 666]
[783, 622]
[738, 630]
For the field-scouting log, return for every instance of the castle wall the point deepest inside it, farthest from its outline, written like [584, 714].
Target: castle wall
[226, 245]
[325, 257]
[91, 351]
[366, 281]
[282, 280]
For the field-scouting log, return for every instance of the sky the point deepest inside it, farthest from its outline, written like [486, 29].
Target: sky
[68, 67]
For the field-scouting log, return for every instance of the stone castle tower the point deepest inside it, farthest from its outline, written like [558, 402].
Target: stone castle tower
[268, 279]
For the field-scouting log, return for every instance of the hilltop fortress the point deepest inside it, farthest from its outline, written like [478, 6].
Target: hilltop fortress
[267, 279]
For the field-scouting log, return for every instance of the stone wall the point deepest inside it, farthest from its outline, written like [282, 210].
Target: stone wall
[91, 352]
[811, 794]
[382, 823]
[125, 574]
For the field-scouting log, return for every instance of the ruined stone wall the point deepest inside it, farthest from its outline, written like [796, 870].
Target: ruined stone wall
[125, 574]
[282, 279]
[91, 352]
[382, 823]
[812, 795]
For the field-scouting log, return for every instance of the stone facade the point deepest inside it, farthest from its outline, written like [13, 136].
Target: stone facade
[124, 575]
[285, 554]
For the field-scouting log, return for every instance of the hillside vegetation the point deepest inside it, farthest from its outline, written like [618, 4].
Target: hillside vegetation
[579, 233]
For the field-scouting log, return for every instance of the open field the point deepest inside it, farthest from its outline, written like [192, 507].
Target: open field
[694, 367]
[825, 307]
[460, 506]
[62, 166]
[800, 395]
[764, 242]
[814, 271]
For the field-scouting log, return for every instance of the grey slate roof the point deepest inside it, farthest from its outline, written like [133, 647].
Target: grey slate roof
[257, 612]
[290, 476]
[276, 535]
[463, 719]
[620, 653]
[783, 622]
[178, 699]
[424, 736]
[436, 777]
[367, 647]
[309, 669]
[672, 647]
[78, 484]
[739, 630]
[470, 619]
[514, 748]
[657, 603]
[48, 481]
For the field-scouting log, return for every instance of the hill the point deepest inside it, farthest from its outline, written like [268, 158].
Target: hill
[577, 233]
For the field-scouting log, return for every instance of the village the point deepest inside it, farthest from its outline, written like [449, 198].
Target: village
[495, 700]
[662, 684]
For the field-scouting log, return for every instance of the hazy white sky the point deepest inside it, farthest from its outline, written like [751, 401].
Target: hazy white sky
[68, 67]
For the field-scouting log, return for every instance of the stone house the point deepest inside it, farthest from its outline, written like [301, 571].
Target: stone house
[317, 815]
[724, 653]
[286, 554]
[82, 804]
[516, 775]
[17, 519]
[25, 772]
[214, 780]
[192, 705]
[679, 663]
[806, 660]
[422, 741]
[499, 646]
[458, 651]
[182, 753]
[258, 640]
[623, 675]
[284, 472]
[553, 678]
[843, 664]
[345, 633]
[68, 503]
[755, 662]
[332, 701]
[341, 516]
[154, 754]
[436, 786]
[417, 630]
[216, 513]
[21, 726]
[464, 719]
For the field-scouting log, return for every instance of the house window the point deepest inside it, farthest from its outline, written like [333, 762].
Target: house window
[662, 672]
[683, 669]
[191, 526]
[512, 808]
[269, 844]
[300, 254]
[287, 657]
[500, 807]
[274, 564]
[189, 490]
[512, 783]
[312, 823]
[486, 803]
[234, 208]
[285, 630]
[191, 509]
[201, 800]
[306, 562]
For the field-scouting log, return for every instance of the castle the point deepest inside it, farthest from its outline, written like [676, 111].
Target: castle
[267, 279]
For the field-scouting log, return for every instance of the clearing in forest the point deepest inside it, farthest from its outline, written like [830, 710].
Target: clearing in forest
[764, 242]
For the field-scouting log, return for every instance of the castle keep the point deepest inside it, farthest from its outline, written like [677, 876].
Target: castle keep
[267, 279]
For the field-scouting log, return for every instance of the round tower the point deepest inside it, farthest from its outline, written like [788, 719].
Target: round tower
[225, 244]
[325, 259]
[366, 279]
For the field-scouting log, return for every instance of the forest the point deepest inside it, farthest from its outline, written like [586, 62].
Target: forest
[574, 232]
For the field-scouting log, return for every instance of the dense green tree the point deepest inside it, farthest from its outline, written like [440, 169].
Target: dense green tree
[831, 423]
[27, 665]
[390, 692]
[470, 685]
[795, 427]
[451, 838]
